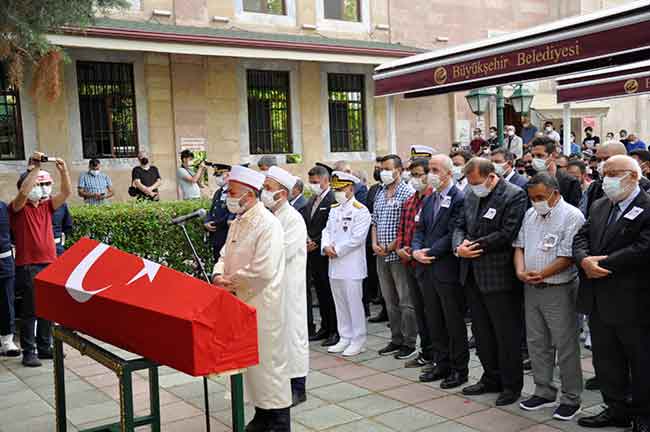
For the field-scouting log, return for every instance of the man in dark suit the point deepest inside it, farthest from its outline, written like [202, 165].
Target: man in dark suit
[437, 274]
[603, 153]
[544, 152]
[316, 213]
[483, 237]
[611, 249]
[298, 200]
[504, 162]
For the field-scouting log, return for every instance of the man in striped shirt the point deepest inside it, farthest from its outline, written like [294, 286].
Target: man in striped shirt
[95, 187]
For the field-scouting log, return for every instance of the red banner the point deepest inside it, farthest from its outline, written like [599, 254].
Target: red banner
[607, 90]
[535, 62]
[151, 310]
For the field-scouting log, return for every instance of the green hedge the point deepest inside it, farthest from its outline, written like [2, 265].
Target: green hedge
[143, 229]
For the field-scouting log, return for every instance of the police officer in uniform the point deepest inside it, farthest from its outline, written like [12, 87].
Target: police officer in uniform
[343, 241]
[7, 273]
[219, 218]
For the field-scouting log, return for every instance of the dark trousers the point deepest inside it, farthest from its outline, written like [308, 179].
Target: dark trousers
[298, 385]
[621, 352]
[445, 307]
[420, 315]
[29, 322]
[496, 325]
[7, 312]
[318, 267]
[371, 282]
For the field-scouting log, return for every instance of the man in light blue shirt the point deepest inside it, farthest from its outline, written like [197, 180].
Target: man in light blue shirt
[95, 187]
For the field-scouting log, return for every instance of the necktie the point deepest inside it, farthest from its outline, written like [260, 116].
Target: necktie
[436, 205]
[613, 215]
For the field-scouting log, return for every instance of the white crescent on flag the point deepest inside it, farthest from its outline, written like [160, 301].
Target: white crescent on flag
[74, 284]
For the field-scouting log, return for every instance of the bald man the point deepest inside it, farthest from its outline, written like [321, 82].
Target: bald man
[610, 250]
[603, 153]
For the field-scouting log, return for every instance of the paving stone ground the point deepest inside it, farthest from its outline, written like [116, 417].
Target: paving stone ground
[367, 393]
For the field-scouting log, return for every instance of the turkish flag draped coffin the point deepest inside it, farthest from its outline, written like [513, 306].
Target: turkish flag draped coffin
[148, 309]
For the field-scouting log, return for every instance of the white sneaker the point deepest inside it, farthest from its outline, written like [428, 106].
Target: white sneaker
[7, 346]
[353, 349]
[339, 347]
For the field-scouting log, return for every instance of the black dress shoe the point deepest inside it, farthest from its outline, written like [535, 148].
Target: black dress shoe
[592, 384]
[258, 424]
[453, 380]
[435, 374]
[480, 388]
[507, 397]
[332, 340]
[319, 335]
[380, 317]
[604, 419]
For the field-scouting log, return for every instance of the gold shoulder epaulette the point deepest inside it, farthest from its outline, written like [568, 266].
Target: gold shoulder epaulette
[357, 204]
[335, 205]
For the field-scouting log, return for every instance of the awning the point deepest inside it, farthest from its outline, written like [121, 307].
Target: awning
[127, 35]
[623, 81]
[605, 38]
[547, 106]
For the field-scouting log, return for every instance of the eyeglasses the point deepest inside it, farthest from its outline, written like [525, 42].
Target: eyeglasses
[45, 184]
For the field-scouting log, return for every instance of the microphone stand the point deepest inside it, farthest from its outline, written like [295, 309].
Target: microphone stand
[207, 279]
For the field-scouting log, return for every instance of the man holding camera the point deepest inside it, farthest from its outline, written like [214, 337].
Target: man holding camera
[31, 227]
[95, 187]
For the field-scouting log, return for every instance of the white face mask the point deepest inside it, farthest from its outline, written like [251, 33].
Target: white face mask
[457, 172]
[315, 188]
[501, 168]
[406, 176]
[268, 199]
[510, 133]
[35, 194]
[539, 165]
[94, 172]
[417, 184]
[46, 191]
[387, 177]
[219, 181]
[234, 205]
[480, 190]
[493, 134]
[548, 129]
[434, 180]
[340, 197]
[614, 188]
[542, 207]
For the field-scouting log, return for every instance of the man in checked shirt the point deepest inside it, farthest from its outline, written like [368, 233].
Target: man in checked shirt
[393, 279]
[409, 219]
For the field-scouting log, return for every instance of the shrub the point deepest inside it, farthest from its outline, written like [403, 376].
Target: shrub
[144, 229]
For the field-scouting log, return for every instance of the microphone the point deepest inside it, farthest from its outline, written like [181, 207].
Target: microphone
[200, 213]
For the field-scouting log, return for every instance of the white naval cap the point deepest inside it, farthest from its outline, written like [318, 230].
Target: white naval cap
[285, 178]
[342, 179]
[247, 177]
[420, 151]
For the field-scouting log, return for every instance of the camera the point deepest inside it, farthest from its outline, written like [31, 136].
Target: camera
[210, 164]
[46, 158]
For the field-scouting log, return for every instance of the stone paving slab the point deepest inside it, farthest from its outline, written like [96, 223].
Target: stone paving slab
[367, 393]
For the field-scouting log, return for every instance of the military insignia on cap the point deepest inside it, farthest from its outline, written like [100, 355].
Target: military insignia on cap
[341, 179]
[420, 151]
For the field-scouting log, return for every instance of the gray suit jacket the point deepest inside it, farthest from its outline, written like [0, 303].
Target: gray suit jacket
[495, 229]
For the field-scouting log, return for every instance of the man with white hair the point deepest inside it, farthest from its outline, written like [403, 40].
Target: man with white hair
[30, 214]
[343, 241]
[275, 197]
[614, 292]
[437, 274]
[512, 142]
[252, 268]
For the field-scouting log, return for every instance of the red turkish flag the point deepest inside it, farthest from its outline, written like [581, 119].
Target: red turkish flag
[166, 316]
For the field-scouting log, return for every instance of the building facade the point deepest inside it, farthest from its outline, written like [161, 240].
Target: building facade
[241, 79]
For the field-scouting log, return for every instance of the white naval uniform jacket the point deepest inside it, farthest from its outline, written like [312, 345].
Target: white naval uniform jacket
[295, 285]
[253, 257]
[346, 230]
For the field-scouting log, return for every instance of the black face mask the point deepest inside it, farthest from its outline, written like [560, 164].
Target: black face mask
[530, 171]
[376, 175]
[144, 161]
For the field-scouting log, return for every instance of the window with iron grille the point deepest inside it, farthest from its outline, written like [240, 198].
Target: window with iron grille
[107, 108]
[275, 7]
[346, 10]
[347, 108]
[269, 112]
[11, 133]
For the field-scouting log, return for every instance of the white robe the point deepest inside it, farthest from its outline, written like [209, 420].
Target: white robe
[253, 257]
[295, 284]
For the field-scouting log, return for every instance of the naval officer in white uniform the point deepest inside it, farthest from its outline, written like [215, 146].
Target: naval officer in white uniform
[343, 241]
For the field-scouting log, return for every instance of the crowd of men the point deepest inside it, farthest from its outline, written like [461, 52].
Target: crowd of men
[523, 241]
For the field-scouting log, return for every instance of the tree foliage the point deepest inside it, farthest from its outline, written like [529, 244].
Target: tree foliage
[23, 28]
